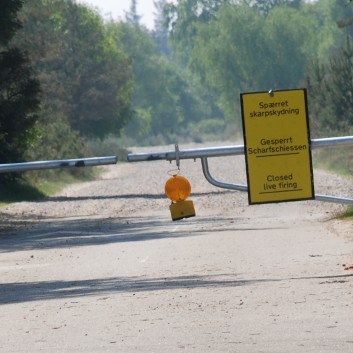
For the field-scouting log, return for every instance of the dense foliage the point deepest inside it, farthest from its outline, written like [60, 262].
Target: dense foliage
[165, 97]
[237, 46]
[85, 76]
[19, 93]
[330, 80]
[331, 87]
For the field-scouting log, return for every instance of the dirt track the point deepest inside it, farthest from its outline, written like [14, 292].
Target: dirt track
[100, 267]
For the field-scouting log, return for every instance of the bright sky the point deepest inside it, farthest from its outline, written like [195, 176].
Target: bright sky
[117, 8]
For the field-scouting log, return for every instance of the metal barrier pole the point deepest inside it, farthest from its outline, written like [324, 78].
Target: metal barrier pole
[331, 142]
[39, 165]
[335, 199]
[187, 154]
[226, 150]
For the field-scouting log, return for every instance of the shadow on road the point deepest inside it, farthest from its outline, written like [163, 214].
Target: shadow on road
[11, 293]
[126, 196]
[32, 291]
[100, 231]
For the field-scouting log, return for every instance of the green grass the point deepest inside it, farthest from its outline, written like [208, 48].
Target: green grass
[19, 191]
[35, 188]
[339, 161]
[347, 214]
[51, 187]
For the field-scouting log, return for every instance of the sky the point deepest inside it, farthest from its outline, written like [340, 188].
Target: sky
[117, 8]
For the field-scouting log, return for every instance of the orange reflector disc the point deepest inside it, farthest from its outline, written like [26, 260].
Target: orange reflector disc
[177, 188]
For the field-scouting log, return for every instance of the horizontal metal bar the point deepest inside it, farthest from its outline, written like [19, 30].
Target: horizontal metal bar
[187, 154]
[39, 165]
[332, 142]
[333, 199]
[226, 150]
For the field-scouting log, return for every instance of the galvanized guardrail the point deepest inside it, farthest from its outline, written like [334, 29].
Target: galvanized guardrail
[204, 153]
[55, 164]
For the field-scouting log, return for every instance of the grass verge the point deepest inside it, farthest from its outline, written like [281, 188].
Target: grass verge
[33, 189]
[339, 161]
[347, 214]
[19, 191]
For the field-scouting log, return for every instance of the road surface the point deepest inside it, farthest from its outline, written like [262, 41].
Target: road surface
[101, 267]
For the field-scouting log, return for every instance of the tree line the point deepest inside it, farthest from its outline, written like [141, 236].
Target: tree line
[68, 76]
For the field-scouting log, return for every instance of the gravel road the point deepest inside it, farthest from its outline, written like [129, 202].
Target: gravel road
[100, 267]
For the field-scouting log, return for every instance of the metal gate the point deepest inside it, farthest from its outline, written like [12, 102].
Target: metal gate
[177, 155]
[205, 153]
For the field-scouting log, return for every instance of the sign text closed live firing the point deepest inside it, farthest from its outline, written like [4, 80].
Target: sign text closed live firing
[277, 146]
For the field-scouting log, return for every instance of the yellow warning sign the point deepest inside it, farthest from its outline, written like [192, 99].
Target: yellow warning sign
[277, 146]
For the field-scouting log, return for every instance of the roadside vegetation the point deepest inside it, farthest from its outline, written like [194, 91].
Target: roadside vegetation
[347, 214]
[74, 84]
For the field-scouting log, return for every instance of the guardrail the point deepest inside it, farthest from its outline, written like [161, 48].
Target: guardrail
[204, 153]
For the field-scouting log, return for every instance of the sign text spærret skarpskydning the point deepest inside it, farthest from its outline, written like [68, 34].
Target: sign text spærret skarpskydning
[274, 109]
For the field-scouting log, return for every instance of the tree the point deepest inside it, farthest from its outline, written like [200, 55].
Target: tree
[330, 88]
[226, 55]
[330, 37]
[182, 20]
[98, 72]
[239, 49]
[131, 16]
[289, 36]
[164, 98]
[344, 16]
[330, 77]
[160, 32]
[19, 93]
[265, 6]
[84, 73]
[9, 20]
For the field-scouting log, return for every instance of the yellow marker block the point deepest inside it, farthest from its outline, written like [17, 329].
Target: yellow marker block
[182, 209]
